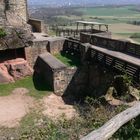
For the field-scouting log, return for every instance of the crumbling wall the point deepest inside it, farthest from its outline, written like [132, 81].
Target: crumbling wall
[86, 37]
[54, 73]
[37, 25]
[32, 52]
[55, 44]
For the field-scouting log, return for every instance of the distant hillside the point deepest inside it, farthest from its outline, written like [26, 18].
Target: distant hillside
[82, 2]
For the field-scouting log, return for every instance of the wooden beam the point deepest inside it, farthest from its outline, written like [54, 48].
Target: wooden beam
[106, 131]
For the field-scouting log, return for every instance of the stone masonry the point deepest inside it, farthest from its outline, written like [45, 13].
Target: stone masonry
[56, 74]
[19, 8]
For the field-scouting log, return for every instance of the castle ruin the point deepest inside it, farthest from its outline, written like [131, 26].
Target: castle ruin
[23, 46]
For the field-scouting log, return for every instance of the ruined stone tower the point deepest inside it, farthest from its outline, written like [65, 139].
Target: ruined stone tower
[14, 11]
[19, 7]
[2, 12]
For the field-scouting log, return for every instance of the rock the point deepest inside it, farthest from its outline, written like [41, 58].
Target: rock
[134, 92]
[19, 68]
[15, 38]
[5, 77]
[109, 94]
[15, 69]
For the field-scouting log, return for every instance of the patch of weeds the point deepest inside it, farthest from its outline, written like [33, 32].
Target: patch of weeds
[40, 128]
[9, 133]
[92, 115]
[135, 35]
[2, 33]
[95, 113]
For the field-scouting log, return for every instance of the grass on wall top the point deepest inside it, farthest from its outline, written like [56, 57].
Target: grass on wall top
[69, 60]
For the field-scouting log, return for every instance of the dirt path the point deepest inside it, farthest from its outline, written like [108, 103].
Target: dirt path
[55, 107]
[14, 107]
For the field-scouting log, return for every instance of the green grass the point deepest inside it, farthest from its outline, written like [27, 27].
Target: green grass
[125, 34]
[109, 11]
[6, 89]
[135, 35]
[2, 33]
[137, 40]
[68, 60]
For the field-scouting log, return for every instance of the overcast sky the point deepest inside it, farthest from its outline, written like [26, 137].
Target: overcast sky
[83, 1]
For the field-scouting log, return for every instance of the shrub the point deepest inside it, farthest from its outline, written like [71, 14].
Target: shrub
[135, 35]
[2, 33]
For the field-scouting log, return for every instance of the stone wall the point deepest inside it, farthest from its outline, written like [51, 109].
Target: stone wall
[19, 7]
[113, 44]
[95, 31]
[89, 80]
[32, 52]
[62, 79]
[116, 45]
[104, 40]
[37, 25]
[55, 44]
[86, 37]
[13, 10]
[2, 15]
[55, 74]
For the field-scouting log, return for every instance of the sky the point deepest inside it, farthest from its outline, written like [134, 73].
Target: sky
[50, 2]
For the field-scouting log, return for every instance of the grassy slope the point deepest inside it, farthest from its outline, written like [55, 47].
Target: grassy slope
[6, 89]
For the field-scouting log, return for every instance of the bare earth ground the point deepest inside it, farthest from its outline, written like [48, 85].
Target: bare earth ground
[124, 28]
[14, 107]
[55, 108]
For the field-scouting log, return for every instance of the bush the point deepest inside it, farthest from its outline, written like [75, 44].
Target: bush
[2, 33]
[135, 35]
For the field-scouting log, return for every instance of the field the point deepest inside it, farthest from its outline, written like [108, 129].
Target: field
[109, 11]
[119, 18]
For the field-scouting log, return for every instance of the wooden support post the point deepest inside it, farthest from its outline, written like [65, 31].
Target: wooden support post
[84, 27]
[92, 27]
[107, 28]
[74, 33]
[77, 26]
[100, 27]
